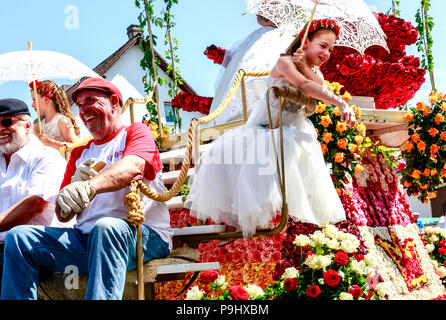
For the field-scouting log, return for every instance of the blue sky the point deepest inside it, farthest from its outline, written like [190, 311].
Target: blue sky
[91, 30]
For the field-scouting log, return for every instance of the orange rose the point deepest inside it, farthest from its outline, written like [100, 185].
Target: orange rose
[443, 135]
[421, 146]
[434, 172]
[320, 107]
[409, 117]
[358, 168]
[421, 106]
[427, 172]
[361, 128]
[327, 137]
[433, 132]
[339, 157]
[423, 186]
[443, 173]
[415, 137]
[439, 118]
[342, 143]
[443, 106]
[359, 140]
[324, 148]
[416, 174]
[407, 184]
[325, 121]
[434, 149]
[347, 96]
[432, 195]
[341, 127]
[357, 111]
[408, 146]
[337, 112]
[352, 147]
[427, 111]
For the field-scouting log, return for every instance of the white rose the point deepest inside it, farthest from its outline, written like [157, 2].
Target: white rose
[345, 296]
[324, 261]
[430, 247]
[429, 230]
[433, 238]
[349, 246]
[319, 237]
[313, 262]
[382, 288]
[254, 291]
[342, 236]
[331, 231]
[333, 244]
[370, 260]
[302, 240]
[359, 267]
[194, 293]
[441, 272]
[290, 273]
[220, 282]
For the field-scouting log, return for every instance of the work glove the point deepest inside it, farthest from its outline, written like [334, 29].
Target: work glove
[75, 197]
[85, 171]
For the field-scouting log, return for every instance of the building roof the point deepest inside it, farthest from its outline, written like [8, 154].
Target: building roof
[105, 65]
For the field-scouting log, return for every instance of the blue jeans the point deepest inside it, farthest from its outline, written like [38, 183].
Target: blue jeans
[105, 254]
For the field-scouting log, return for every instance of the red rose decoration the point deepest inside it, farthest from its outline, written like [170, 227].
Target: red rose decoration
[290, 284]
[355, 291]
[331, 278]
[442, 243]
[313, 291]
[359, 257]
[238, 293]
[208, 276]
[341, 258]
[279, 270]
[442, 250]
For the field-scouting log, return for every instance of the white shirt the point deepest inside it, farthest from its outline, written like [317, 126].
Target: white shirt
[37, 170]
[111, 204]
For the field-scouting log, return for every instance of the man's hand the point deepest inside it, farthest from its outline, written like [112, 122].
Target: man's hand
[75, 197]
[86, 170]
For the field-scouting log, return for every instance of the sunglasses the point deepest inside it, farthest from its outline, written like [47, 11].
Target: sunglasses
[9, 121]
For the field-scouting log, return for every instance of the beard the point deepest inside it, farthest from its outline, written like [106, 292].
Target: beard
[19, 139]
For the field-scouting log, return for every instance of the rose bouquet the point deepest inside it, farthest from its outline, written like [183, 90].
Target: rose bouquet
[425, 151]
[329, 267]
[191, 102]
[214, 287]
[215, 53]
[435, 240]
[342, 146]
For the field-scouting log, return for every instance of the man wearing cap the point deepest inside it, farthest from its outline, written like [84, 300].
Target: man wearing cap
[30, 173]
[102, 244]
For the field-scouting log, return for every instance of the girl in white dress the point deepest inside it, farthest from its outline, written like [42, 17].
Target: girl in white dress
[237, 182]
[59, 124]
[257, 52]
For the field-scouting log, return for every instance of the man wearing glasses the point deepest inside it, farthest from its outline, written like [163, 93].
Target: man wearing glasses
[30, 173]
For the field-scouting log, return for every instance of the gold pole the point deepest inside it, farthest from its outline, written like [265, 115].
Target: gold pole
[154, 66]
[140, 263]
[316, 2]
[30, 47]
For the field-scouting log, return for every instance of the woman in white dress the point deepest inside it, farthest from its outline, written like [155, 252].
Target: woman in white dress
[237, 182]
[257, 52]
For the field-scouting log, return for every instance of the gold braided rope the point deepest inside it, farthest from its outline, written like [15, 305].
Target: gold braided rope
[235, 85]
[132, 201]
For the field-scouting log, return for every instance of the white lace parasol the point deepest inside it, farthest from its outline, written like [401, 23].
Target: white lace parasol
[359, 28]
[41, 65]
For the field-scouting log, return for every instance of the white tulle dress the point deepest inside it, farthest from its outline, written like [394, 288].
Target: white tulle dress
[257, 52]
[237, 181]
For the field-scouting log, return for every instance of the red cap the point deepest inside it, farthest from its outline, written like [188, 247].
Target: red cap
[97, 84]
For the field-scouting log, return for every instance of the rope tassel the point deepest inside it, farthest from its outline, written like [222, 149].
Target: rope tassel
[132, 200]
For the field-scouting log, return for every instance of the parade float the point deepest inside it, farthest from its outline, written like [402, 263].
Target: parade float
[379, 252]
